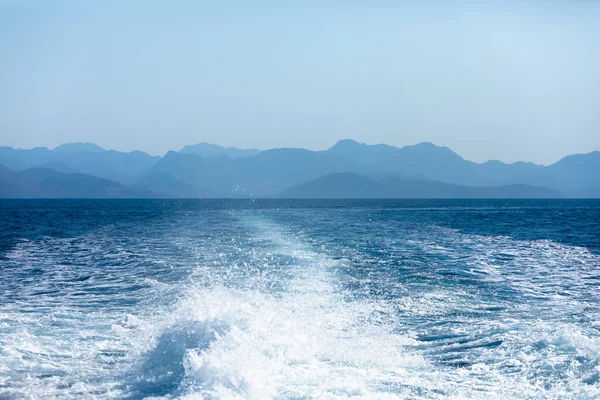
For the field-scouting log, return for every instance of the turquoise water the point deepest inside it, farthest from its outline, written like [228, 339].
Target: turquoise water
[242, 299]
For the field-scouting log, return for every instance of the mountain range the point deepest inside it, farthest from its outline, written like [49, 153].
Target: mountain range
[347, 169]
[47, 183]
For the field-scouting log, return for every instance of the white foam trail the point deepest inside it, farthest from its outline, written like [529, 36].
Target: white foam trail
[311, 341]
[308, 342]
[274, 324]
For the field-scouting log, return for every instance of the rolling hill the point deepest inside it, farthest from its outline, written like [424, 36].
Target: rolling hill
[352, 185]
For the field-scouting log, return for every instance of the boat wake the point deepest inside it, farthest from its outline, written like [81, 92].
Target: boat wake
[306, 341]
[271, 311]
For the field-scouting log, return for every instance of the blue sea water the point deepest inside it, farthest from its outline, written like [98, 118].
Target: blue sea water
[284, 299]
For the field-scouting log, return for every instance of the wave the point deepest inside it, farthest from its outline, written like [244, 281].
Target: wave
[272, 312]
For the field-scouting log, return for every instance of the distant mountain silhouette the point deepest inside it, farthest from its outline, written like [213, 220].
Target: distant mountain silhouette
[212, 150]
[205, 170]
[70, 148]
[425, 159]
[47, 183]
[59, 166]
[347, 185]
[577, 172]
[352, 185]
[264, 174]
[274, 170]
[86, 158]
[191, 173]
[167, 184]
[428, 161]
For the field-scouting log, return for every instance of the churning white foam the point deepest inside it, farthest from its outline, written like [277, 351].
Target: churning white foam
[306, 342]
[230, 336]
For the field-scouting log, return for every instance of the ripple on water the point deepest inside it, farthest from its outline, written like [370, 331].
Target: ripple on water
[290, 304]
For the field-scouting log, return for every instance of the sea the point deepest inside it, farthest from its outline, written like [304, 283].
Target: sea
[299, 299]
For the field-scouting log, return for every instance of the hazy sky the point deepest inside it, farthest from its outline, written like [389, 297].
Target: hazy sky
[506, 80]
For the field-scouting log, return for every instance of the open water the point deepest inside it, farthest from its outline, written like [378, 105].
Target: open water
[311, 299]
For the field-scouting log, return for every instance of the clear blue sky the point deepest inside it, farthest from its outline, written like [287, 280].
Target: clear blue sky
[508, 80]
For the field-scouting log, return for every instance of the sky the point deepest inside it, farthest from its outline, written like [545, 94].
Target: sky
[506, 80]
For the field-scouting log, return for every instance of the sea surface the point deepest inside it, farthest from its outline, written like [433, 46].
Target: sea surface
[311, 299]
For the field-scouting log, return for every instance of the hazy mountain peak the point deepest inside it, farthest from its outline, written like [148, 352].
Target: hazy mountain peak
[579, 159]
[427, 146]
[346, 143]
[142, 153]
[350, 144]
[494, 162]
[213, 150]
[428, 149]
[78, 146]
